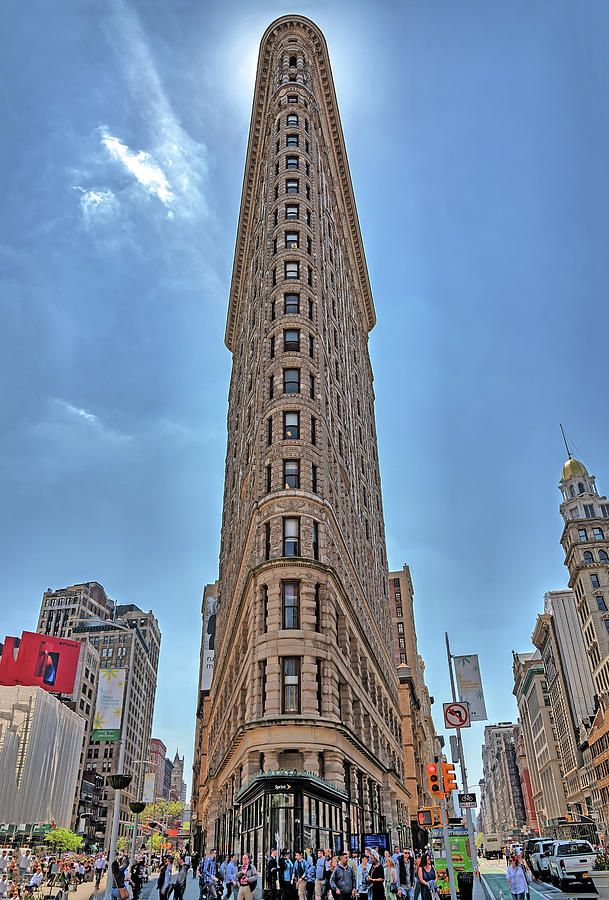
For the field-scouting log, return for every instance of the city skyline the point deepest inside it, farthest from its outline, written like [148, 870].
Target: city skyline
[484, 271]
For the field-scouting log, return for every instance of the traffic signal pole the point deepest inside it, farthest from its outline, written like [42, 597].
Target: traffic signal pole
[468, 812]
[447, 851]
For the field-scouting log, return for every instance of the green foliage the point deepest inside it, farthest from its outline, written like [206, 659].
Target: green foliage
[601, 863]
[63, 839]
[122, 843]
[163, 809]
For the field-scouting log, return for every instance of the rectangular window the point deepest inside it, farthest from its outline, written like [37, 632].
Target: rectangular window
[595, 581]
[272, 310]
[604, 510]
[600, 602]
[291, 270]
[400, 628]
[291, 211]
[309, 245]
[290, 694]
[272, 347]
[292, 304]
[582, 534]
[598, 534]
[402, 642]
[315, 540]
[267, 540]
[275, 217]
[291, 536]
[312, 387]
[292, 98]
[588, 510]
[309, 218]
[291, 186]
[269, 431]
[311, 346]
[309, 275]
[269, 476]
[310, 309]
[292, 120]
[307, 192]
[291, 162]
[291, 474]
[291, 425]
[274, 276]
[403, 658]
[291, 381]
[291, 140]
[291, 240]
[271, 386]
[265, 607]
[606, 621]
[398, 611]
[263, 679]
[313, 430]
[274, 246]
[340, 442]
[317, 609]
[290, 604]
[314, 478]
[319, 687]
[291, 340]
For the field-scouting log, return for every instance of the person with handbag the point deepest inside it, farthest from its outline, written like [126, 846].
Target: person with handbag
[391, 877]
[119, 889]
[427, 878]
[247, 878]
[518, 877]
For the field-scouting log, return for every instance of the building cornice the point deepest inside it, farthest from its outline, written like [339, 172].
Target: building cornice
[306, 29]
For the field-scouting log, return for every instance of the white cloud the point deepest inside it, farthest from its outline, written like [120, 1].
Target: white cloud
[141, 165]
[77, 411]
[97, 204]
[88, 419]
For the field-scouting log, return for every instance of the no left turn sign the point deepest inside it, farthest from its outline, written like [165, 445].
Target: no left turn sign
[456, 715]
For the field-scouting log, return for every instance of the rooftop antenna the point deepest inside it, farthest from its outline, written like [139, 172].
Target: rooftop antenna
[562, 431]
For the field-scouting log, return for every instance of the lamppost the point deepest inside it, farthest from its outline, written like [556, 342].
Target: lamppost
[136, 806]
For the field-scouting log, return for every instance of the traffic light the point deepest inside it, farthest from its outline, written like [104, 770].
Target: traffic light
[425, 817]
[433, 777]
[449, 777]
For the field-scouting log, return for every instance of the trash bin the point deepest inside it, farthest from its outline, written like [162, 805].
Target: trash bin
[465, 885]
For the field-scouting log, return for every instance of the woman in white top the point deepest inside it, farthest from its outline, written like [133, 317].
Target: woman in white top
[516, 878]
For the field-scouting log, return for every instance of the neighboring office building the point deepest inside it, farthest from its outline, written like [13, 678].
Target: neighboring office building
[157, 757]
[304, 676]
[40, 744]
[505, 811]
[167, 776]
[124, 637]
[585, 540]
[538, 734]
[598, 741]
[558, 636]
[418, 731]
[177, 778]
[524, 775]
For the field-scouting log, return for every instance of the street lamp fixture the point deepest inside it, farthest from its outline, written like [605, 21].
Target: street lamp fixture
[136, 806]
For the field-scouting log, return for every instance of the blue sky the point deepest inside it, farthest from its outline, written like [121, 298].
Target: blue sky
[477, 136]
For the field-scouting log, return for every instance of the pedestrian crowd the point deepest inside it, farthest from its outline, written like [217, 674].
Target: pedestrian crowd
[24, 873]
[346, 876]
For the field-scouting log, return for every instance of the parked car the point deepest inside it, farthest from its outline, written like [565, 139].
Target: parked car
[571, 861]
[539, 857]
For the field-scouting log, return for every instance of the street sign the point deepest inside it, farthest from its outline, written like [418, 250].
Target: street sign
[467, 801]
[456, 715]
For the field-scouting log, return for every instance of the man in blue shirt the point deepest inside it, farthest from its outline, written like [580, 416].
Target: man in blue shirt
[207, 877]
[231, 877]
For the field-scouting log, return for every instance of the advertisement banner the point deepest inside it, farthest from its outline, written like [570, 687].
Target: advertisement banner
[40, 660]
[149, 780]
[459, 848]
[469, 686]
[207, 668]
[109, 705]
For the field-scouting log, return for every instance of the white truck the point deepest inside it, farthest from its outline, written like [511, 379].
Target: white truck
[492, 846]
[571, 861]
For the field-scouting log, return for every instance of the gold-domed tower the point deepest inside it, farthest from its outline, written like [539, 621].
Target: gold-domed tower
[585, 540]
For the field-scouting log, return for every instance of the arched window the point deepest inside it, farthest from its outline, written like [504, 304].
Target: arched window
[572, 491]
[588, 556]
[602, 555]
[580, 487]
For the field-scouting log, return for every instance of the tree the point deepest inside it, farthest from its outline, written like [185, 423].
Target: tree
[163, 809]
[122, 843]
[63, 839]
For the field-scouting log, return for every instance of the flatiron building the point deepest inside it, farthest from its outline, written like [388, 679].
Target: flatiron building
[299, 738]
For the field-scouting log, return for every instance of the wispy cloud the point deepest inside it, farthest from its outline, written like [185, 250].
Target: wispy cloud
[141, 165]
[88, 419]
[168, 163]
[97, 204]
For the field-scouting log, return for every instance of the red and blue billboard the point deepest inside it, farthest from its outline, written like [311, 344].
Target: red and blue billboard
[40, 659]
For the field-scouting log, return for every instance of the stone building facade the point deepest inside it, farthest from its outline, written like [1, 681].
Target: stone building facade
[502, 802]
[301, 732]
[420, 743]
[539, 737]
